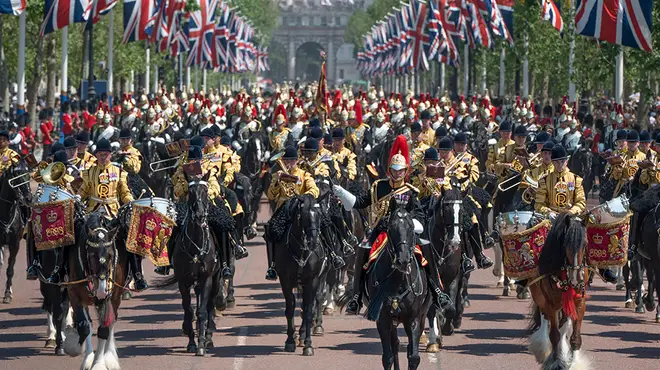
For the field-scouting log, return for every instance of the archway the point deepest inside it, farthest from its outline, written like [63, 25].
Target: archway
[277, 62]
[308, 61]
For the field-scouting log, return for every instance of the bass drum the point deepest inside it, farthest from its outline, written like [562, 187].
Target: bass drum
[162, 205]
[50, 193]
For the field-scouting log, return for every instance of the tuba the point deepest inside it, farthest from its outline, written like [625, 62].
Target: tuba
[53, 173]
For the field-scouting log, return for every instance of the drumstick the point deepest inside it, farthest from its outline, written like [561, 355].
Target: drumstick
[142, 193]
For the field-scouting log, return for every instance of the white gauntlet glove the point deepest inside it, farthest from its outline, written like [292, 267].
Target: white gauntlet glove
[347, 199]
[419, 228]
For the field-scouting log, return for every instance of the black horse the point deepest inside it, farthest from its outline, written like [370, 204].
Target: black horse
[300, 261]
[13, 213]
[252, 162]
[195, 263]
[581, 164]
[158, 181]
[396, 287]
[649, 254]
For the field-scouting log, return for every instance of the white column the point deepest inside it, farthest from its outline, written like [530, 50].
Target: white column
[526, 69]
[196, 78]
[502, 92]
[466, 70]
[132, 82]
[441, 79]
[619, 77]
[64, 69]
[21, 62]
[187, 78]
[204, 80]
[571, 56]
[418, 75]
[483, 73]
[155, 79]
[292, 61]
[180, 62]
[330, 63]
[146, 75]
[111, 22]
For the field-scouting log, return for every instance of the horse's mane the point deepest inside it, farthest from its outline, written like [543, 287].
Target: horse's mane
[565, 235]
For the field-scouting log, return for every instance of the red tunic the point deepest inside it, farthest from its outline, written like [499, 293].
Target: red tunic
[46, 128]
[67, 128]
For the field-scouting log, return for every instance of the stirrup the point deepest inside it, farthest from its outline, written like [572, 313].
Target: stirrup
[271, 274]
[354, 304]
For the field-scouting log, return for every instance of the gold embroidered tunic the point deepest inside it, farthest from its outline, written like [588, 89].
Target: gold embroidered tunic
[351, 163]
[280, 191]
[560, 192]
[105, 186]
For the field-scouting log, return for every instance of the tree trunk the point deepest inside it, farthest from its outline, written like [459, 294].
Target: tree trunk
[33, 85]
[544, 89]
[532, 84]
[51, 71]
[643, 106]
[4, 78]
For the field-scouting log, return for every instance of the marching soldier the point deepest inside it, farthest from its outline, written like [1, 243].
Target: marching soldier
[281, 191]
[105, 186]
[343, 155]
[562, 191]
[378, 198]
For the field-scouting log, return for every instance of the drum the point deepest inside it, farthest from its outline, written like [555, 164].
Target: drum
[162, 205]
[607, 233]
[523, 235]
[50, 193]
[150, 228]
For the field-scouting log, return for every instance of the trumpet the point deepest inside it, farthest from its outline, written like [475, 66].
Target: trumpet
[457, 160]
[152, 164]
[527, 181]
[21, 179]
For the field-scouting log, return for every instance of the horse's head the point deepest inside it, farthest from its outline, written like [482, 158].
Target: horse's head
[308, 220]
[198, 198]
[11, 193]
[101, 251]
[564, 250]
[450, 207]
[401, 235]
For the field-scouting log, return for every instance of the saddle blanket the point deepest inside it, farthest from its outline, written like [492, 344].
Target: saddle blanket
[379, 246]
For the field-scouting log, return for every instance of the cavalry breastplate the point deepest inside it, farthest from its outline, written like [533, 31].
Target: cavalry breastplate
[380, 206]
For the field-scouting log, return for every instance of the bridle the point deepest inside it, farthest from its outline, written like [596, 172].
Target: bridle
[310, 232]
[201, 220]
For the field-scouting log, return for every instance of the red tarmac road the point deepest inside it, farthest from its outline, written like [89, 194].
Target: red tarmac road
[252, 335]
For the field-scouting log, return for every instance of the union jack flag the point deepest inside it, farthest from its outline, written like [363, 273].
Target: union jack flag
[138, 19]
[441, 43]
[221, 35]
[200, 33]
[61, 13]
[179, 41]
[475, 13]
[506, 10]
[497, 25]
[419, 35]
[101, 7]
[14, 7]
[621, 22]
[262, 59]
[552, 14]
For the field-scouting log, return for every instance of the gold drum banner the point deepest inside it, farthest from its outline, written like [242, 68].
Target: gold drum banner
[522, 251]
[149, 233]
[52, 224]
[607, 244]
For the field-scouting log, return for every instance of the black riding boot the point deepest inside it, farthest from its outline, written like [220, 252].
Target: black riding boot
[271, 274]
[240, 251]
[34, 266]
[355, 303]
[136, 266]
[351, 242]
[608, 275]
[333, 246]
[466, 259]
[483, 262]
[224, 255]
[56, 276]
[440, 299]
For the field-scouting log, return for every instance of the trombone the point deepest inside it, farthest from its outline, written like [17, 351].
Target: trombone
[176, 164]
[22, 177]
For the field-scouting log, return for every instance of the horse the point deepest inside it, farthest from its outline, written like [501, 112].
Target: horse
[195, 263]
[300, 261]
[98, 271]
[13, 203]
[252, 160]
[445, 231]
[648, 252]
[581, 164]
[559, 295]
[158, 180]
[396, 287]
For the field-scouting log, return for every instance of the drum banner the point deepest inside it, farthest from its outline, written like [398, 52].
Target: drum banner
[53, 224]
[148, 234]
[379, 245]
[522, 251]
[607, 244]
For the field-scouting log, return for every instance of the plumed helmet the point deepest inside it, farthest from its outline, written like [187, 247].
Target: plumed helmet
[399, 156]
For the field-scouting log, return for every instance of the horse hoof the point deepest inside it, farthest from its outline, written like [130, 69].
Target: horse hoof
[50, 343]
[505, 293]
[630, 303]
[318, 331]
[648, 303]
[433, 348]
[308, 351]
[59, 351]
[191, 348]
[458, 322]
[328, 311]
[448, 330]
[620, 287]
[209, 344]
[126, 296]
[7, 300]
[200, 352]
[289, 347]
[526, 295]
[640, 309]
[231, 304]
[499, 284]
[423, 338]
[466, 303]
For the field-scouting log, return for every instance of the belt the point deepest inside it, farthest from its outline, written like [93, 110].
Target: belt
[104, 200]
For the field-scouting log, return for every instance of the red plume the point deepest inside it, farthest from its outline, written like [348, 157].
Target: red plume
[400, 146]
[358, 111]
[280, 110]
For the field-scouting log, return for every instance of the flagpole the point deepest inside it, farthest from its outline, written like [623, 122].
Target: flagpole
[619, 77]
[180, 64]
[155, 90]
[146, 75]
[132, 87]
[197, 78]
[526, 68]
[64, 69]
[204, 79]
[111, 27]
[441, 79]
[483, 73]
[502, 72]
[571, 54]
[466, 69]
[21, 63]
[187, 78]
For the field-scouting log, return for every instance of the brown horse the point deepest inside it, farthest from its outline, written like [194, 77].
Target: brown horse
[100, 265]
[560, 295]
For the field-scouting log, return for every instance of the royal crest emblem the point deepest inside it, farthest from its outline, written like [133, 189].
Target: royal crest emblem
[52, 216]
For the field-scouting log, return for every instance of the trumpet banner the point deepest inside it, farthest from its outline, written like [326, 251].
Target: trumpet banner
[607, 244]
[148, 234]
[522, 251]
[52, 224]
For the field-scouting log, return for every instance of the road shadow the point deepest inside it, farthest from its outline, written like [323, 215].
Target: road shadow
[150, 350]
[141, 335]
[495, 334]
[481, 296]
[261, 286]
[14, 353]
[494, 316]
[24, 311]
[632, 336]
[249, 351]
[487, 349]
[634, 352]
[162, 307]
[612, 320]
[256, 330]
[155, 318]
[24, 323]
[371, 333]
[360, 348]
[20, 337]
[268, 296]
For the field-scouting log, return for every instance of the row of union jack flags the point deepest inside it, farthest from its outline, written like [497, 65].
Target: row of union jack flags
[420, 31]
[215, 37]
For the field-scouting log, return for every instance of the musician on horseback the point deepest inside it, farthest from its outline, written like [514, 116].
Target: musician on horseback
[84, 159]
[561, 191]
[419, 143]
[279, 135]
[346, 159]
[8, 157]
[64, 183]
[131, 158]
[105, 186]
[288, 181]
[378, 199]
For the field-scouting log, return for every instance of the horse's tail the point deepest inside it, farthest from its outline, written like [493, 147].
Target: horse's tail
[535, 319]
[167, 282]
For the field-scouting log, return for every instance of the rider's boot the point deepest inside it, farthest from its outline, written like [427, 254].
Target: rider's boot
[240, 251]
[466, 259]
[483, 262]
[136, 266]
[440, 299]
[351, 242]
[271, 274]
[33, 260]
[224, 255]
[608, 275]
[355, 303]
[165, 270]
[488, 239]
